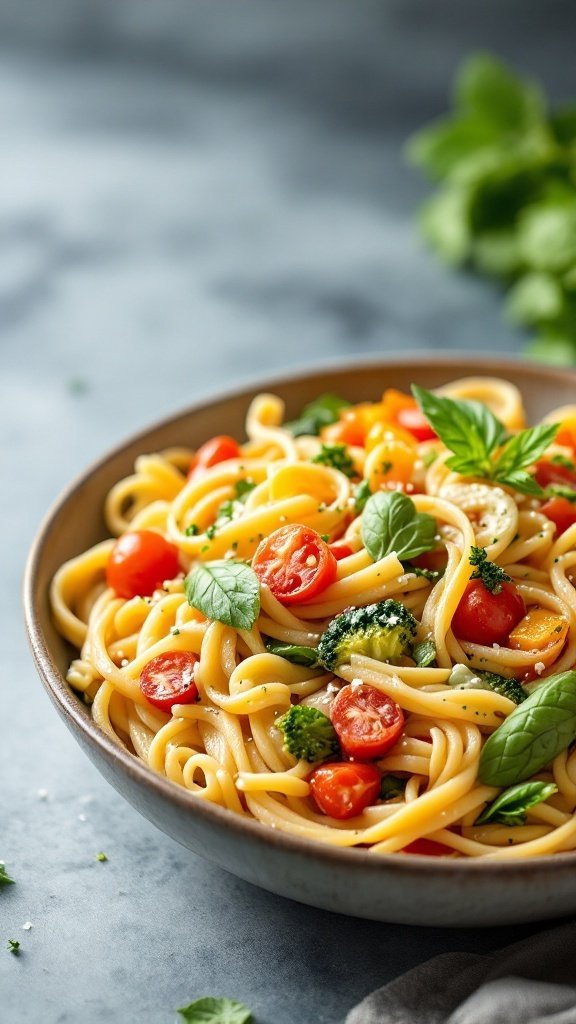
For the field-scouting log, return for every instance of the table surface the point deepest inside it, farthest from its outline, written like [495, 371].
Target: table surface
[192, 194]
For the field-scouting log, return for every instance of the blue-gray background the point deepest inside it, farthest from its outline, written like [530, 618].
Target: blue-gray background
[191, 193]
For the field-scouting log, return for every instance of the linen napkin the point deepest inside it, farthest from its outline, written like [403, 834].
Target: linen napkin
[530, 982]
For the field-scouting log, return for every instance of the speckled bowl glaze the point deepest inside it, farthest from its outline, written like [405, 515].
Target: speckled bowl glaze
[400, 888]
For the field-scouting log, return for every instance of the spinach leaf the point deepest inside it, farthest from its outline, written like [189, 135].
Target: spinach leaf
[215, 1010]
[390, 522]
[226, 591]
[296, 653]
[533, 734]
[510, 807]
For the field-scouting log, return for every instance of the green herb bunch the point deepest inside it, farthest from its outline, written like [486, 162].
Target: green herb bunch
[506, 205]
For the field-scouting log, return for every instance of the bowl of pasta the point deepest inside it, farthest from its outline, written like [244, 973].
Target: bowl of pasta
[322, 631]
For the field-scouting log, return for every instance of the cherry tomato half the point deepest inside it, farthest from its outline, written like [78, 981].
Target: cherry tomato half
[548, 473]
[485, 618]
[295, 563]
[344, 788]
[168, 679]
[561, 511]
[367, 721]
[217, 449]
[139, 562]
[340, 549]
[416, 423]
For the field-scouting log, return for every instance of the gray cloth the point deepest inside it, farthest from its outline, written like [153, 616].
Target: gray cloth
[531, 982]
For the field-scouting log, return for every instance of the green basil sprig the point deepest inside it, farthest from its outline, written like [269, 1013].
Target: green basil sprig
[4, 876]
[226, 591]
[533, 734]
[511, 806]
[298, 654]
[390, 522]
[216, 1010]
[481, 444]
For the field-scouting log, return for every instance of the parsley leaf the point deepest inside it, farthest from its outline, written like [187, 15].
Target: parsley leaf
[226, 591]
[323, 411]
[336, 456]
[481, 444]
[511, 806]
[4, 876]
[390, 523]
[216, 1010]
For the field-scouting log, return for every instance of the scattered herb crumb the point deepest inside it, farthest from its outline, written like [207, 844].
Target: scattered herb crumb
[14, 946]
[4, 876]
[101, 856]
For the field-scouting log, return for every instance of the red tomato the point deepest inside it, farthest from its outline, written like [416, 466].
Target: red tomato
[340, 549]
[218, 449]
[561, 511]
[168, 679]
[551, 473]
[295, 563]
[139, 562]
[486, 618]
[344, 788]
[427, 848]
[413, 420]
[367, 721]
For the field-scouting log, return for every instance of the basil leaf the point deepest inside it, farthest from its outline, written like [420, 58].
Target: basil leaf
[215, 1010]
[295, 653]
[533, 734]
[390, 522]
[4, 876]
[521, 481]
[323, 411]
[226, 591]
[469, 429]
[424, 653]
[510, 807]
[524, 449]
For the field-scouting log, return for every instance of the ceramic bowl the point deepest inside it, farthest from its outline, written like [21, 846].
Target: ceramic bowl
[399, 888]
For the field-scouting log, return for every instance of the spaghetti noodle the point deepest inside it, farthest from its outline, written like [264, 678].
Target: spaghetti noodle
[222, 741]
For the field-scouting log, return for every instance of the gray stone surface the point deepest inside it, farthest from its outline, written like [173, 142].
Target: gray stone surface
[192, 193]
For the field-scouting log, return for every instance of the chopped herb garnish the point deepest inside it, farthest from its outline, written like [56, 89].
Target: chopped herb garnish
[101, 857]
[14, 946]
[215, 1010]
[243, 488]
[361, 496]
[336, 456]
[192, 530]
[320, 413]
[492, 575]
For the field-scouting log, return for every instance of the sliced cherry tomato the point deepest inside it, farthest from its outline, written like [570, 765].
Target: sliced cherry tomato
[367, 721]
[548, 473]
[561, 512]
[427, 848]
[414, 420]
[217, 449]
[139, 562]
[485, 618]
[340, 549]
[295, 563]
[168, 679]
[344, 788]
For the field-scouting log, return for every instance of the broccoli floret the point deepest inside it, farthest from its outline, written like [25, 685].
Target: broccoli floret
[308, 733]
[383, 631]
[464, 678]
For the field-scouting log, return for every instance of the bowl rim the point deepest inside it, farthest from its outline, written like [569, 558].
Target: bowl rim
[70, 707]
